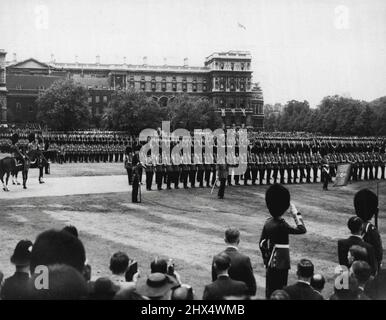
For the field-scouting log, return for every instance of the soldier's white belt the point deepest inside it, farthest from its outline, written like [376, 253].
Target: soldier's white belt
[282, 246]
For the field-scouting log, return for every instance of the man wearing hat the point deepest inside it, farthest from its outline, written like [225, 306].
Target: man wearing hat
[15, 287]
[157, 286]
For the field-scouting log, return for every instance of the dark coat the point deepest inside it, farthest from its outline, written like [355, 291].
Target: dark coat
[302, 291]
[224, 286]
[345, 244]
[240, 270]
[15, 287]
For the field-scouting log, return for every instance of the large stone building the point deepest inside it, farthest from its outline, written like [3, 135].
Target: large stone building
[225, 78]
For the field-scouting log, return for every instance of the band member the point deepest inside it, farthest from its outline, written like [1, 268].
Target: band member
[274, 240]
[128, 158]
[223, 173]
[325, 173]
[137, 173]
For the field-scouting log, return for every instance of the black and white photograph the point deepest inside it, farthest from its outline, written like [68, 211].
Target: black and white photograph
[224, 151]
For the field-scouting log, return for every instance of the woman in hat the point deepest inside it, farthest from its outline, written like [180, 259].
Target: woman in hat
[15, 287]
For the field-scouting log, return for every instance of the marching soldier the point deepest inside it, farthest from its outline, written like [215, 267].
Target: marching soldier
[325, 173]
[268, 166]
[254, 167]
[302, 167]
[208, 169]
[149, 171]
[200, 171]
[359, 162]
[366, 166]
[295, 167]
[275, 166]
[159, 172]
[308, 161]
[282, 167]
[260, 166]
[192, 175]
[288, 165]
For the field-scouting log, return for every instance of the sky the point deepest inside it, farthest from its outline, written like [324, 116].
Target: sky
[301, 49]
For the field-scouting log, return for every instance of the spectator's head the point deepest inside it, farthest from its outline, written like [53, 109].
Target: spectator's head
[355, 225]
[104, 289]
[356, 253]
[318, 282]
[305, 270]
[365, 204]
[64, 283]
[119, 263]
[22, 254]
[184, 292]
[157, 286]
[346, 290]
[277, 199]
[159, 265]
[232, 236]
[71, 230]
[361, 271]
[58, 247]
[279, 295]
[221, 263]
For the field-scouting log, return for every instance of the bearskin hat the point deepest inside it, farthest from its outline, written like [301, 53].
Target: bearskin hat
[31, 137]
[15, 138]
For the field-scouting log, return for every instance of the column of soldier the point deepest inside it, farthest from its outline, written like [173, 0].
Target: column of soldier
[270, 162]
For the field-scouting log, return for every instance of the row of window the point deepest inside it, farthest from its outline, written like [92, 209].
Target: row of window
[19, 87]
[97, 99]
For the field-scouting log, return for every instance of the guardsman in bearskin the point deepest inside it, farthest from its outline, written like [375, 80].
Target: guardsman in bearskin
[254, 167]
[359, 166]
[325, 173]
[288, 166]
[245, 160]
[315, 166]
[149, 171]
[208, 169]
[137, 173]
[366, 166]
[354, 167]
[192, 173]
[274, 240]
[382, 160]
[268, 166]
[261, 168]
[128, 163]
[371, 165]
[295, 167]
[175, 173]
[200, 171]
[308, 167]
[281, 161]
[275, 166]
[377, 164]
[159, 172]
[302, 167]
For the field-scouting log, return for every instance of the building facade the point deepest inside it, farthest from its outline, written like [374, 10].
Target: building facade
[225, 79]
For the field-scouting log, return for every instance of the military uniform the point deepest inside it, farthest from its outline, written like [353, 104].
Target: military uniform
[149, 171]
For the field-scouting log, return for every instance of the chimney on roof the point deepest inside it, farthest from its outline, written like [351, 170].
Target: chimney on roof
[145, 61]
[124, 60]
[52, 58]
[14, 60]
[165, 62]
[98, 59]
[186, 62]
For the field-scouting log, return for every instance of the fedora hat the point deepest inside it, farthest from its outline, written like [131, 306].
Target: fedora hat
[156, 285]
[22, 253]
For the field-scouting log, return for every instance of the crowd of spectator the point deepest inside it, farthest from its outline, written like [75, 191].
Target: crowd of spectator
[61, 256]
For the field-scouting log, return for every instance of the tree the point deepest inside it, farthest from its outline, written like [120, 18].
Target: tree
[132, 111]
[63, 106]
[192, 113]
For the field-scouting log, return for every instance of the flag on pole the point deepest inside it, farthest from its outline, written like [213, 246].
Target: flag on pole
[241, 26]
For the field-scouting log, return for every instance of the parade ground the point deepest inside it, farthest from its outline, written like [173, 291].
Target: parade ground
[186, 225]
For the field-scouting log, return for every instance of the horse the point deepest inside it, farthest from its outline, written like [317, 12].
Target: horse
[7, 166]
[23, 167]
[37, 160]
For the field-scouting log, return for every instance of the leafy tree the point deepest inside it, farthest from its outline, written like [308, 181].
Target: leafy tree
[132, 111]
[63, 106]
[191, 113]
